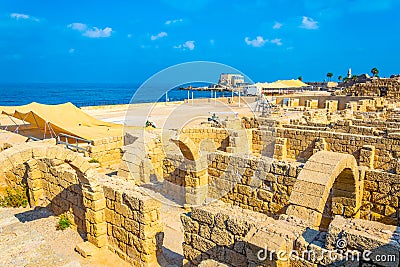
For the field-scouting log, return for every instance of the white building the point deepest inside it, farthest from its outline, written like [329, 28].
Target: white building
[231, 80]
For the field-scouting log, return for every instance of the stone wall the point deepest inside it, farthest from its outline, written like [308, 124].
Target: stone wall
[301, 145]
[220, 137]
[250, 123]
[377, 123]
[142, 157]
[134, 229]
[234, 236]
[381, 197]
[376, 87]
[342, 100]
[185, 180]
[107, 150]
[61, 190]
[217, 232]
[255, 183]
[263, 141]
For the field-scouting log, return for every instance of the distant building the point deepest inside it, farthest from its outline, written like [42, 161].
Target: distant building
[252, 89]
[349, 73]
[231, 80]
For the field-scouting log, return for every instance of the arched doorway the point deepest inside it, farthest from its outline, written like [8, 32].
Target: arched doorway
[60, 180]
[327, 186]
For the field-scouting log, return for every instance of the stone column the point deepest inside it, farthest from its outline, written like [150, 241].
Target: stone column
[367, 156]
[280, 149]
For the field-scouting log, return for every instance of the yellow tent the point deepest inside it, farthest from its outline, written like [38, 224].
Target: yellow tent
[64, 118]
[292, 83]
[282, 84]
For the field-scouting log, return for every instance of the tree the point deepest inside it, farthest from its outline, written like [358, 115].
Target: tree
[300, 78]
[354, 78]
[329, 75]
[375, 72]
[340, 78]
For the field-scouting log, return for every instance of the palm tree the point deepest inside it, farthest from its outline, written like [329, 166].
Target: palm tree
[340, 78]
[354, 78]
[329, 75]
[375, 72]
[300, 78]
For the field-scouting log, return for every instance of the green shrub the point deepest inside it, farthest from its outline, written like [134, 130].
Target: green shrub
[63, 223]
[93, 161]
[14, 198]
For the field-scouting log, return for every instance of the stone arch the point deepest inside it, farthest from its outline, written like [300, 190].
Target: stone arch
[327, 186]
[187, 147]
[31, 155]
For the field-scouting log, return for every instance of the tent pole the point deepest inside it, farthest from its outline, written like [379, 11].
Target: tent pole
[16, 129]
[34, 117]
[44, 133]
[19, 117]
[52, 131]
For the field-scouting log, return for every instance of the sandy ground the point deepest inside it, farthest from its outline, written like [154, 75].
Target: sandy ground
[177, 115]
[170, 115]
[29, 238]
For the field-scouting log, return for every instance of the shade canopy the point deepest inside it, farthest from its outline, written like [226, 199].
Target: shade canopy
[293, 83]
[282, 84]
[64, 118]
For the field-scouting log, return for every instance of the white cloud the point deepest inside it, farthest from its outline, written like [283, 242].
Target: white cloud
[277, 41]
[187, 45]
[93, 32]
[129, 35]
[158, 36]
[71, 50]
[78, 26]
[277, 26]
[169, 22]
[258, 42]
[309, 23]
[19, 16]
[98, 33]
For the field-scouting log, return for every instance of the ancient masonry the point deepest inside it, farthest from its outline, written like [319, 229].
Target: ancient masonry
[258, 192]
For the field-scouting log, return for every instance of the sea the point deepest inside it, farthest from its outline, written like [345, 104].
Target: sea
[89, 94]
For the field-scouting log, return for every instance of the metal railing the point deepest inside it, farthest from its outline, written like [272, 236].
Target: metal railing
[74, 145]
[33, 139]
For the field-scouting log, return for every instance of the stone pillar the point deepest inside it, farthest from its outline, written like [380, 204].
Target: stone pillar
[367, 156]
[280, 149]
[185, 180]
[96, 226]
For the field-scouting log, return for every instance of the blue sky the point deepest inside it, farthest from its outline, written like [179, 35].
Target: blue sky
[128, 41]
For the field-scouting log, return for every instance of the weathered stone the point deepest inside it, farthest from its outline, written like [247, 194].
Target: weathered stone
[86, 249]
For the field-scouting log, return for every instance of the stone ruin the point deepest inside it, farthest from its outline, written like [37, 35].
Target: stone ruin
[320, 190]
[377, 87]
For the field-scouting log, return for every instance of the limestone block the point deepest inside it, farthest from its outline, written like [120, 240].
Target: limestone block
[86, 249]
[311, 216]
[221, 237]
